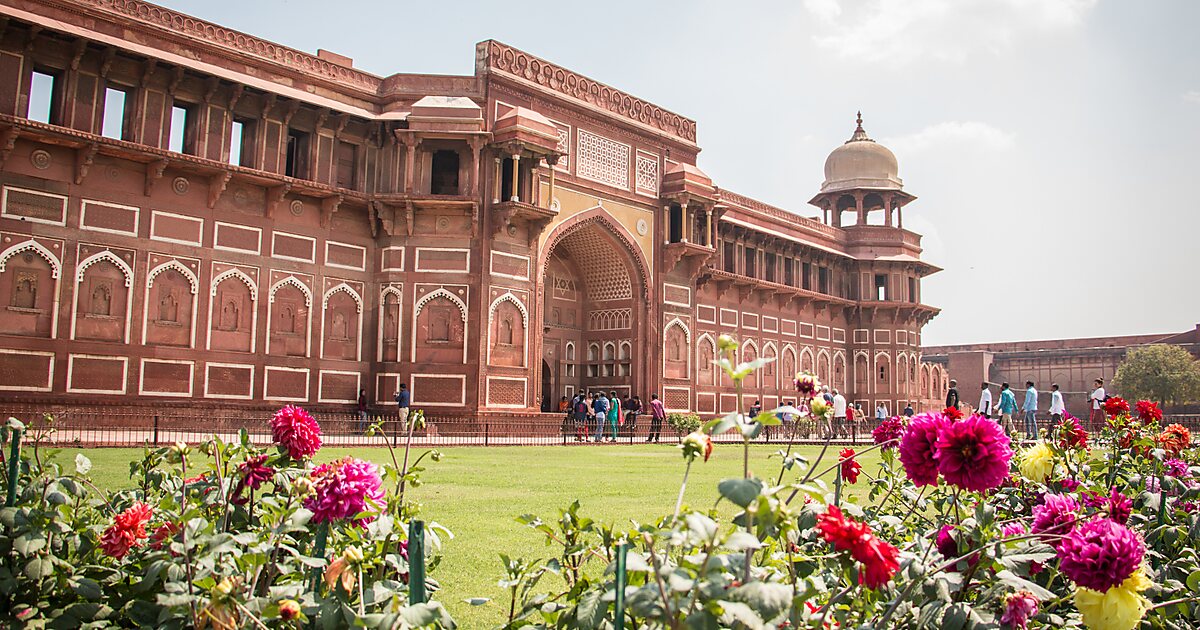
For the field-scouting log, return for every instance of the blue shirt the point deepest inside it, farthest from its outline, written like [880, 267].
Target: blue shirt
[600, 405]
[1030, 400]
[402, 398]
[1008, 401]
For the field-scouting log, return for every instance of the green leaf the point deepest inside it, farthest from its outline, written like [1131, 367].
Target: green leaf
[477, 601]
[39, 568]
[768, 419]
[717, 426]
[737, 612]
[740, 492]
[1020, 583]
[956, 617]
[86, 588]
[29, 543]
[590, 611]
[741, 541]
[768, 599]
[427, 614]
[1193, 581]
[82, 464]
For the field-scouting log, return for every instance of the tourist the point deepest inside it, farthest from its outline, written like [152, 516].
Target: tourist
[839, 414]
[600, 407]
[657, 415]
[363, 418]
[581, 417]
[985, 401]
[1029, 406]
[825, 394]
[1007, 407]
[1096, 417]
[908, 410]
[881, 412]
[952, 395]
[564, 405]
[402, 401]
[614, 415]
[1057, 407]
[631, 413]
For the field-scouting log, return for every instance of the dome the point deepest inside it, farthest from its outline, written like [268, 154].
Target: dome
[861, 163]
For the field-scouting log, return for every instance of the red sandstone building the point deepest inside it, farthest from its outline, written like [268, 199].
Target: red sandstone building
[192, 213]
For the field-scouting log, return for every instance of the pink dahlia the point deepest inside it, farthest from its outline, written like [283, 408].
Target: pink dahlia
[1018, 609]
[1100, 554]
[1055, 515]
[918, 452]
[1013, 530]
[344, 489]
[254, 472]
[1069, 485]
[888, 432]
[807, 384]
[973, 454]
[1177, 468]
[296, 430]
[1119, 507]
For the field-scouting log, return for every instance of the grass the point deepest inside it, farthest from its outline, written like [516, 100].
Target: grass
[478, 492]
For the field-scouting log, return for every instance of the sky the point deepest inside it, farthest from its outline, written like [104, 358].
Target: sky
[1052, 144]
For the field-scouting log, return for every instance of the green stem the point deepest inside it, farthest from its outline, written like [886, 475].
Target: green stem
[683, 486]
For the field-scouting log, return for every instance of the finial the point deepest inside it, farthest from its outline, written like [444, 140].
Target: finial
[859, 134]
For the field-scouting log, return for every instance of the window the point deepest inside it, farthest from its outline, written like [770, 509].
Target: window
[44, 98]
[113, 126]
[443, 178]
[730, 257]
[806, 276]
[750, 255]
[789, 272]
[241, 140]
[347, 162]
[675, 224]
[912, 290]
[296, 159]
[769, 267]
[881, 287]
[823, 279]
[182, 136]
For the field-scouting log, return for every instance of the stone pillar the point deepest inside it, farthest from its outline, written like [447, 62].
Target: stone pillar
[887, 210]
[516, 177]
[551, 161]
[410, 161]
[497, 181]
[858, 204]
[476, 167]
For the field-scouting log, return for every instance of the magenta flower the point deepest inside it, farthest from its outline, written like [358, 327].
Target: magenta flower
[918, 452]
[1119, 506]
[1177, 468]
[1013, 529]
[1019, 608]
[344, 489]
[254, 473]
[1056, 515]
[973, 454]
[888, 432]
[946, 545]
[295, 430]
[1100, 554]
[1069, 485]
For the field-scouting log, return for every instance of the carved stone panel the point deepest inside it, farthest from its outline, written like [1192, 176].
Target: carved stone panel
[507, 335]
[169, 310]
[341, 327]
[233, 313]
[289, 323]
[102, 301]
[27, 290]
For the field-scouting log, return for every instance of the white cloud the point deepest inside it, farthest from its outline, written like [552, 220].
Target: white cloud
[969, 134]
[903, 31]
[1192, 96]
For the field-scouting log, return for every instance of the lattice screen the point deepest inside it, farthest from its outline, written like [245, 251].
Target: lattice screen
[603, 160]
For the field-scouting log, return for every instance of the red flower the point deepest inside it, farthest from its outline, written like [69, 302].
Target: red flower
[1073, 434]
[1175, 438]
[127, 531]
[1116, 406]
[164, 534]
[254, 473]
[1148, 411]
[850, 466]
[878, 557]
[954, 413]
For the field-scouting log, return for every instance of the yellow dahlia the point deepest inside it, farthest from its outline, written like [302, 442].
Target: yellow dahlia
[1037, 462]
[1118, 608]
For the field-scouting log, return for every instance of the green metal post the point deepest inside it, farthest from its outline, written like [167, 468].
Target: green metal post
[622, 551]
[319, 551]
[14, 467]
[416, 563]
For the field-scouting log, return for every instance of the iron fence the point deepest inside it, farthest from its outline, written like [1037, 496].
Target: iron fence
[101, 426]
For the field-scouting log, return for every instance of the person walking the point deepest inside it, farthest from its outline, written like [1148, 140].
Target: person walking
[1029, 406]
[1057, 407]
[985, 400]
[363, 417]
[881, 412]
[1007, 407]
[614, 415]
[839, 414]
[403, 400]
[1098, 396]
[600, 409]
[952, 394]
[908, 410]
[657, 415]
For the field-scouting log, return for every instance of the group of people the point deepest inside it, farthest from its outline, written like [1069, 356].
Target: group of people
[598, 413]
[1004, 409]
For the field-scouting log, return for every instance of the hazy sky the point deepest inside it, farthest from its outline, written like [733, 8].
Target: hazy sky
[1054, 145]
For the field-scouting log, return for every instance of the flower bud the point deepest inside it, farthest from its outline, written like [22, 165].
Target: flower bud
[696, 444]
[353, 555]
[302, 486]
[818, 407]
[726, 343]
[223, 588]
[289, 609]
[179, 448]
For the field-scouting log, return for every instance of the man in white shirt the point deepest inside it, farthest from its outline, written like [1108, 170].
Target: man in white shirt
[1096, 419]
[839, 412]
[1057, 407]
[985, 401]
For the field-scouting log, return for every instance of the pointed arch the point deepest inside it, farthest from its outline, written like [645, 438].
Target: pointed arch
[251, 286]
[342, 287]
[37, 248]
[83, 265]
[240, 275]
[704, 363]
[597, 215]
[787, 361]
[839, 376]
[771, 370]
[177, 266]
[811, 364]
[823, 365]
[294, 281]
[420, 305]
[194, 282]
[510, 297]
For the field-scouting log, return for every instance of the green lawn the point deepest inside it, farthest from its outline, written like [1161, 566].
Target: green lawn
[477, 493]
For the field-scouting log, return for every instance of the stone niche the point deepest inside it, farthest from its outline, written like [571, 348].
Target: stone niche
[102, 300]
[289, 321]
[341, 326]
[507, 335]
[232, 319]
[169, 307]
[27, 287]
[440, 328]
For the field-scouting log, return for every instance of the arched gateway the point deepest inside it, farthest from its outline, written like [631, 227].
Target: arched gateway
[593, 285]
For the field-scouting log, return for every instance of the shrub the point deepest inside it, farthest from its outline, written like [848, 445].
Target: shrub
[683, 423]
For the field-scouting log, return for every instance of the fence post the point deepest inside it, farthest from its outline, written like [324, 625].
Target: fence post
[487, 431]
[14, 467]
[156, 429]
[416, 563]
[622, 551]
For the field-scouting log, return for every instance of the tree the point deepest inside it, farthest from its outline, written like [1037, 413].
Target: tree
[1162, 373]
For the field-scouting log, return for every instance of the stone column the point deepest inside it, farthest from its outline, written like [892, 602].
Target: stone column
[496, 181]
[516, 177]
